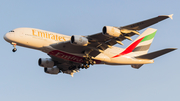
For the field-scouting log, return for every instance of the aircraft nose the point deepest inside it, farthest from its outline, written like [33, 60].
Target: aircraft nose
[7, 37]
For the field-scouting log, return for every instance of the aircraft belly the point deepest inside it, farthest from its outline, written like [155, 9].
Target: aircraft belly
[69, 56]
[128, 61]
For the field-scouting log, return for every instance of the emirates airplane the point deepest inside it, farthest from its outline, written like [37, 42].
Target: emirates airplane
[69, 54]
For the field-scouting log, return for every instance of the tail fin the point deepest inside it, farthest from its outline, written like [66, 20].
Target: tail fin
[156, 53]
[141, 44]
[146, 39]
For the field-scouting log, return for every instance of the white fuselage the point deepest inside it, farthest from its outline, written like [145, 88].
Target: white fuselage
[34, 38]
[41, 40]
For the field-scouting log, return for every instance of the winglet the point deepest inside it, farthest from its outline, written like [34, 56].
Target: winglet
[170, 16]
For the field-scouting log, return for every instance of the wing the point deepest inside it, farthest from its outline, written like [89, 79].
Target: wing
[146, 23]
[100, 42]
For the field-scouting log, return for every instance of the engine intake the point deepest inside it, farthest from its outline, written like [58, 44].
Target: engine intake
[79, 40]
[111, 31]
[46, 62]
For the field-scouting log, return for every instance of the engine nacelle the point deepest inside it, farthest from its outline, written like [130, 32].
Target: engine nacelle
[46, 62]
[79, 40]
[111, 31]
[54, 70]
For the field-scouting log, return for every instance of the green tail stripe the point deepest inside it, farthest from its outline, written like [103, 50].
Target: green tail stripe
[148, 37]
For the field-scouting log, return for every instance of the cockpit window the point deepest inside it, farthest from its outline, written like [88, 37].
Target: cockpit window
[11, 31]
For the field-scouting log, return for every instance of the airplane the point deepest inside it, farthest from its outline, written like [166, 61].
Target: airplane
[69, 54]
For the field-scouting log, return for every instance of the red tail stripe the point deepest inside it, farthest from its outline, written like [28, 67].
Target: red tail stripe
[129, 49]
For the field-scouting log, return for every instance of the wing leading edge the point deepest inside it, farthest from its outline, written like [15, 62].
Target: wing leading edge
[146, 23]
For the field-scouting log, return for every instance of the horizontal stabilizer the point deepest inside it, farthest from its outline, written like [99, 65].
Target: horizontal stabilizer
[156, 53]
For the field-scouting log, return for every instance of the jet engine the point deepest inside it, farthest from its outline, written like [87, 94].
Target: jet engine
[46, 62]
[54, 70]
[111, 31]
[79, 40]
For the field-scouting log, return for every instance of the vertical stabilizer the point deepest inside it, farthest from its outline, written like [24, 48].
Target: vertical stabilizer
[141, 45]
[146, 39]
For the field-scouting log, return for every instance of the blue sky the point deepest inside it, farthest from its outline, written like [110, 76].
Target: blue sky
[23, 80]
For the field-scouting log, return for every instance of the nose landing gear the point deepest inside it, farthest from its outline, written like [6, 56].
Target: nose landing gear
[14, 45]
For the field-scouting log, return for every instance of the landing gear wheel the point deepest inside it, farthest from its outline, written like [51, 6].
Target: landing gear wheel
[87, 62]
[87, 66]
[14, 50]
[84, 66]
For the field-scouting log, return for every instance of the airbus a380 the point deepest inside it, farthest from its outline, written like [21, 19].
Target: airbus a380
[69, 54]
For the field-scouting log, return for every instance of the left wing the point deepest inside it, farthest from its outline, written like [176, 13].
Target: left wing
[146, 23]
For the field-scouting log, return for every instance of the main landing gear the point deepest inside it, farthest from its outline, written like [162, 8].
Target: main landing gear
[14, 45]
[87, 62]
